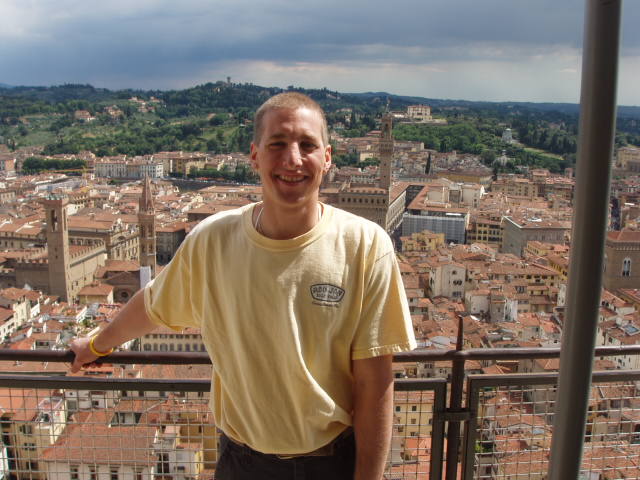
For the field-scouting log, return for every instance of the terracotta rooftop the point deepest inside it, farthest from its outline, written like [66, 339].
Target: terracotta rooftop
[96, 289]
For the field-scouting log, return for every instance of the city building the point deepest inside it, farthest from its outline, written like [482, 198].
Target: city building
[629, 158]
[518, 232]
[383, 204]
[419, 113]
[621, 260]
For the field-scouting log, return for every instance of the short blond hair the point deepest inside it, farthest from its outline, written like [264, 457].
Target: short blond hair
[288, 100]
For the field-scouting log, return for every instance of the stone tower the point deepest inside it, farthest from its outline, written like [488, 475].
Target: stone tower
[55, 207]
[147, 222]
[386, 152]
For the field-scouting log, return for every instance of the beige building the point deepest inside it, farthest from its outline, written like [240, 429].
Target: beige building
[121, 239]
[485, 229]
[96, 293]
[424, 241]
[122, 168]
[164, 339]
[16, 235]
[419, 113]
[413, 413]
[481, 176]
[16, 300]
[621, 260]
[373, 203]
[31, 421]
[124, 276]
[446, 279]
[629, 158]
[515, 187]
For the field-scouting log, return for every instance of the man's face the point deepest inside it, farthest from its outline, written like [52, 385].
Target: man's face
[291, 157]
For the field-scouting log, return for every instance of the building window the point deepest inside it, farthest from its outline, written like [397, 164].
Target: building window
[626, 267]
[93, 475]
[73, 472]
[26, 429]
[114, 473]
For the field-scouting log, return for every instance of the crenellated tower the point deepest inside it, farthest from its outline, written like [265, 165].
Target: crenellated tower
[147, 223]
[58, 256]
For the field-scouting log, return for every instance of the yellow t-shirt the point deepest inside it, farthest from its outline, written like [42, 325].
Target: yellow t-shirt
[283, 319]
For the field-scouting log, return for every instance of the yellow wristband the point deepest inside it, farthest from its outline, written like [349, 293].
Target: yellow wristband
[96, 352]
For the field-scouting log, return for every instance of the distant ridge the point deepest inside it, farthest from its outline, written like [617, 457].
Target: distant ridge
[571, 108]
[65, 92]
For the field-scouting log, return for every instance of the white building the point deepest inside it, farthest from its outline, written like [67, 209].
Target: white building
[420, 113]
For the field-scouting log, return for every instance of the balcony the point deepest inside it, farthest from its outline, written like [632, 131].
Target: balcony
[118, 427]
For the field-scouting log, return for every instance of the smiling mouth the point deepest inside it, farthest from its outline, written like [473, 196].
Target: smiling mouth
[289, 179]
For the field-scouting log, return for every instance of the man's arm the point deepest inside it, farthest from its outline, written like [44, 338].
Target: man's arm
[131, 322]
[372, 415]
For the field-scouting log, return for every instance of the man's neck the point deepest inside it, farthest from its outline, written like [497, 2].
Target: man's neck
[283, 225]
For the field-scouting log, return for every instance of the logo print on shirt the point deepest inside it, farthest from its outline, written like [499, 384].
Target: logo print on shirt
[325, 292]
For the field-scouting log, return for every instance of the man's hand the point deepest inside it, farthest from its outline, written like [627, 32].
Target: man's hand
[131, 322]
[372, 415]
[80, 346]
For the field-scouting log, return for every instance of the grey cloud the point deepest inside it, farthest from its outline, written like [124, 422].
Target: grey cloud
[73, 40]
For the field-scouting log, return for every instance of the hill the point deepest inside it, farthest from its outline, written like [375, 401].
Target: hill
[217, 117]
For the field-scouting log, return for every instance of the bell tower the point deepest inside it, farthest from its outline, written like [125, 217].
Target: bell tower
[55, 207]
[147, 223]
[386, 152]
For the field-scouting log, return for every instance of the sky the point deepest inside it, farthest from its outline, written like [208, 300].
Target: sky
[495, 50]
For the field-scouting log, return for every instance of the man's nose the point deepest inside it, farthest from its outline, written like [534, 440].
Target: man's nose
[294, 157]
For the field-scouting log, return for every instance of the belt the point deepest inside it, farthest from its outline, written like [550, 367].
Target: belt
[324, 451]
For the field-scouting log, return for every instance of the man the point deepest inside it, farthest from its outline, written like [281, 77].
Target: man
[300, 306]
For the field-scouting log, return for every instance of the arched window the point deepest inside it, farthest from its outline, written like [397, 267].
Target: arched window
[626, 267]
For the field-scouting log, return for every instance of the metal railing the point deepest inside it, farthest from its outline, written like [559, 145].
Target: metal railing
[86, 428]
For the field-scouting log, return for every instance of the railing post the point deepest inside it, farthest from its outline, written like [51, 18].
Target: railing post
[455, 406]
[595, 146]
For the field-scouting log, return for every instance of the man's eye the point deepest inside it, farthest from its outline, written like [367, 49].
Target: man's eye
[308, 145]
[276, 145]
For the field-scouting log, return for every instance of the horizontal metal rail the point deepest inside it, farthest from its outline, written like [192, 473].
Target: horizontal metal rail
[177, 358]
[91, 383]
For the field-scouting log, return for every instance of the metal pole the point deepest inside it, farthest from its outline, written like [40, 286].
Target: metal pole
[595, 148]
[455, 407]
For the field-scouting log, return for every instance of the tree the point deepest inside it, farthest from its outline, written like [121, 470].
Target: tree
[488, 156]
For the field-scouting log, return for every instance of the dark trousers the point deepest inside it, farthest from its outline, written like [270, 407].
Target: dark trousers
[239, 462]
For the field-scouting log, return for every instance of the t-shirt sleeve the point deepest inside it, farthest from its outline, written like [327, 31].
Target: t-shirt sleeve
[168, 297]
[385, 325]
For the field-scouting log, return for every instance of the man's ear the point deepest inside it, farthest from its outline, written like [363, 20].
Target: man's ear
[327, 159]
[254, 156]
